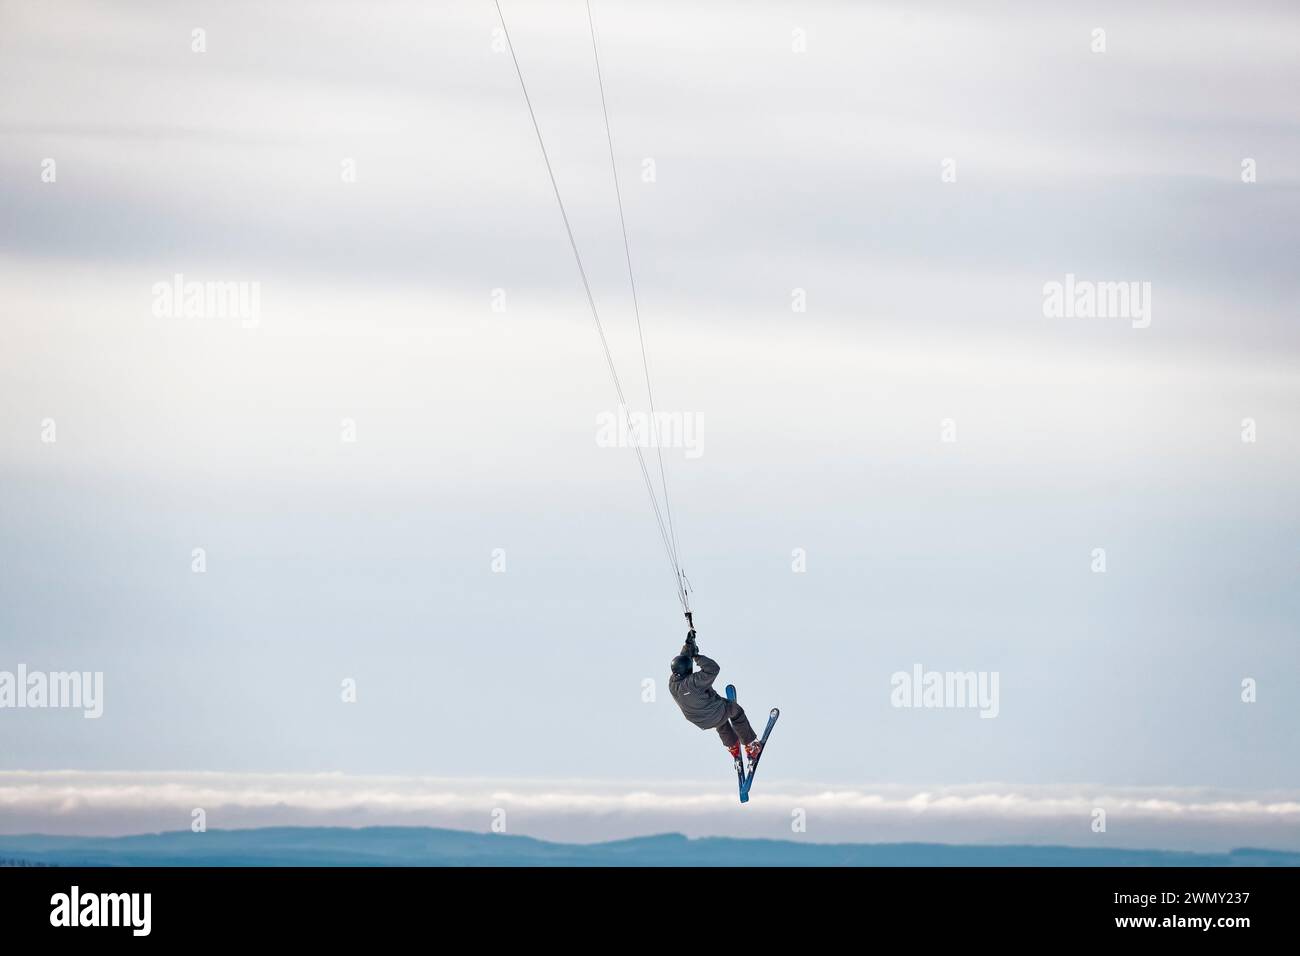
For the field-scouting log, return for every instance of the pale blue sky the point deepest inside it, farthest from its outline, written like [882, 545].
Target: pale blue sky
[820, 430]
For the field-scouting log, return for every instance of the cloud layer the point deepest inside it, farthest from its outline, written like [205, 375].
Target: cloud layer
[115, 803]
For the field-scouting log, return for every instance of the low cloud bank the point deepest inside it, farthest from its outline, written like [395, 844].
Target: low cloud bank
[115, 803]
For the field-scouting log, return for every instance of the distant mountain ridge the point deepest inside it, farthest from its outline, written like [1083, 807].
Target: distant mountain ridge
[426, 846]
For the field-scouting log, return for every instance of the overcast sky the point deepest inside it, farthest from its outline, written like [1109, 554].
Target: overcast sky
[775, 170]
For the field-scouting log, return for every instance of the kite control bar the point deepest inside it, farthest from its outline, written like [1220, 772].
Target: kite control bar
[691, 647]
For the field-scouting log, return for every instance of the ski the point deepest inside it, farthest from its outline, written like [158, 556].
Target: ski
[748, 781]
[740, 761]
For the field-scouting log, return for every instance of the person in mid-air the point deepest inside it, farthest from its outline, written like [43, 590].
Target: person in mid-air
[701, 705]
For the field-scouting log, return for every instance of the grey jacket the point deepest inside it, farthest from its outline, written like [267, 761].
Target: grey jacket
[695, 695]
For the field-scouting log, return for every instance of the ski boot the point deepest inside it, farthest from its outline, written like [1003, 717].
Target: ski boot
[739, 764]
[752, 750]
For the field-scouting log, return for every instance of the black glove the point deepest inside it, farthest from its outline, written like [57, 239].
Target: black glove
[690, 643]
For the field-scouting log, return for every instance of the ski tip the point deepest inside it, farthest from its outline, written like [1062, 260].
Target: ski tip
[744, 798]
[775, 713]
[731, 692]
